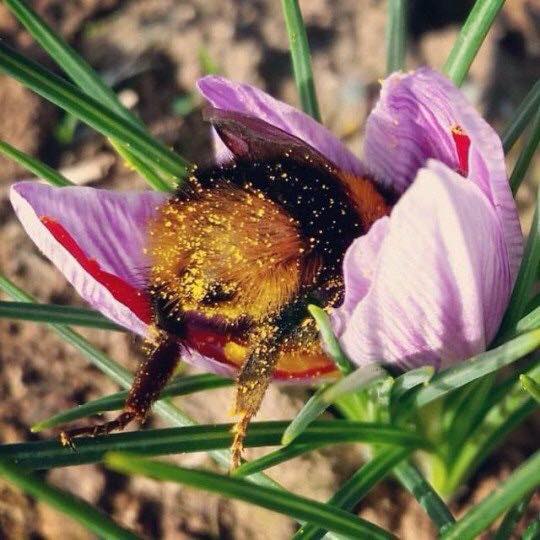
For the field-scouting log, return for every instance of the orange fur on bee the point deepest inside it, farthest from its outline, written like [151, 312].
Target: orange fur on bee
[368, 202]
[230, 243]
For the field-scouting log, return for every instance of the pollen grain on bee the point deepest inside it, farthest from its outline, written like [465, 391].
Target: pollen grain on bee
[245, 247]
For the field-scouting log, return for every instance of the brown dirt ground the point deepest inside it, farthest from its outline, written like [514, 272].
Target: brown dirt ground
[149, 49]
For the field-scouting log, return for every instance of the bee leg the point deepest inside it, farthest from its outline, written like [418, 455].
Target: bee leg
[151, 376]
[251, 387]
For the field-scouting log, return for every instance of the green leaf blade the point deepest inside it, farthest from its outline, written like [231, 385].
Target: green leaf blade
[396, 35]
[419, 487]
[357, 487]
[525, 157]
[479, 366]
[531, 386]
[301, 58]
[521, 482]
[470, 39]
[90, 111]
[508, 524]
[289, 504]
[521, 118]
[77, 509]
[197, 438]
[35, 166]
[186, 385]
[50, 313]
[325, 396]
[82, 74]
[526, 275]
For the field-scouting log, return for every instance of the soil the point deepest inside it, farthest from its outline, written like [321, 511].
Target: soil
[150, 51]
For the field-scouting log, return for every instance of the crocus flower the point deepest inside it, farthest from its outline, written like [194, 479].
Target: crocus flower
[427, 285]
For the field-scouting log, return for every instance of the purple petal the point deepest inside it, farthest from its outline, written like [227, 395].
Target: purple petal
[413, 122]
[358, 270]
[109, 230]
[221, 153]
[441, 282]
[242, 98]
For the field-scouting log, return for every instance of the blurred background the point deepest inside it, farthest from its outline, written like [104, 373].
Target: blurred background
[152, 52]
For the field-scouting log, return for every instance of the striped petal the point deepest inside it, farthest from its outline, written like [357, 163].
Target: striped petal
[441, 277]
[95, 238]
[422, 115]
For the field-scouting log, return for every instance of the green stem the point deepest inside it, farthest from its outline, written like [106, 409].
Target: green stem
[422, 491]
[396, 35]
[526, 155]
[470, 39]
[35, 166]
[301, 58]
[523, 114]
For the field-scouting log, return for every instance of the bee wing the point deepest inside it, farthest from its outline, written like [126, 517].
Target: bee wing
[251, 138]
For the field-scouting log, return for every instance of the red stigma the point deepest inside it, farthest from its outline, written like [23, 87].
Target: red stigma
[463, 143]
[122, 291]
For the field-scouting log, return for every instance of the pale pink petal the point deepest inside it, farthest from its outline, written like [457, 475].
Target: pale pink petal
[359, 267]
[442, 278]
[413, 121]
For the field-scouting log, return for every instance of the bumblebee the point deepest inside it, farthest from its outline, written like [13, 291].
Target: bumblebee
[236, 256]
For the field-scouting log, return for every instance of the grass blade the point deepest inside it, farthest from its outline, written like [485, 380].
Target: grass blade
[521, 482]
[301, 58]
[357, 487]
[526, 275]
[330, 341]
[164, 408]
[288, 504]
[82, 74]
[35, 166]
[396, 35]
[522, 116]
[71, 506]
[470, 39]
[478, 366]
[325, 396]
[511, 518]
[50, 313]
[405, 383]
[531, 386]
[285, 453]
[143, 168]
[419, 487]
[532, 532]
[186, 385]
[529, 321]
[119, 374]
[499, 422]
[526, 155]
[47, 454]
[66, 57]
[90, 111]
